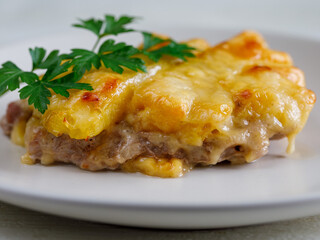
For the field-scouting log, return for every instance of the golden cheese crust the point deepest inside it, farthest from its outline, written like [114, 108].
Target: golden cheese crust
[86, 114]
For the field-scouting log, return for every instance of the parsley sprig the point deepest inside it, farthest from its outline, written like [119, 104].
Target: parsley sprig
[37, 90]
[63, 71]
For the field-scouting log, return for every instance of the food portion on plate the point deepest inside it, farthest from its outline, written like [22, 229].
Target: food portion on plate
[159, 109]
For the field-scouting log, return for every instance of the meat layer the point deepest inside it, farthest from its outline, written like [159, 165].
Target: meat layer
[111, 149]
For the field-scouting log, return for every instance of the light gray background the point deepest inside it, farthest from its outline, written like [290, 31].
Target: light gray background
[28, 19]
[21, 19]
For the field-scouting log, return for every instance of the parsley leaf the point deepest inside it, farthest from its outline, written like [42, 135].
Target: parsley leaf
[11, 76]
[116, 55]
[113, 55]
[172, 48]
[37, 56]
[55, 70]
[37, 94]
[110, 45]
[122, 58]
[92, 25]
[38, 61]
[83, 60]
[62, 85]
[115, 26]
[149, 40]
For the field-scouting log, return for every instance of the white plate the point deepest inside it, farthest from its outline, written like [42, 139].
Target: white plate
[276, 187]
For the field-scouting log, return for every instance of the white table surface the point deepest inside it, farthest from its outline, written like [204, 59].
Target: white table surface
[18, 223]
[22, 19]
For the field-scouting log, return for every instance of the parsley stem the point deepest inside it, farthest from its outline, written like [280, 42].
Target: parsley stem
[96, 44]
[2, 92]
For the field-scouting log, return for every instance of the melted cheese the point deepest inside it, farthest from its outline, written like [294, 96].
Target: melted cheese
[26, 159]
[18, 131]
[226, 87]
[165, 168]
